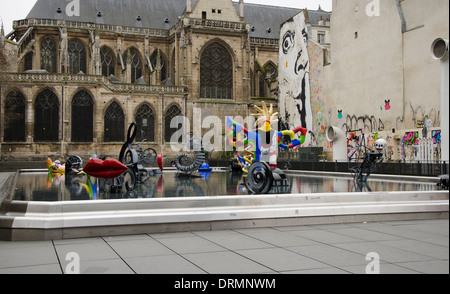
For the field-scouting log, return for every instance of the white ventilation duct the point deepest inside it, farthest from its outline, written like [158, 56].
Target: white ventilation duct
[439, 51]
[339, 140]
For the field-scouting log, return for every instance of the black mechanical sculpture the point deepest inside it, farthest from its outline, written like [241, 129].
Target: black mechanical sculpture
[132, 156]
[370, 160]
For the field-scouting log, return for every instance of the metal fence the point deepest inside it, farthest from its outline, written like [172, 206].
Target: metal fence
[391, 168]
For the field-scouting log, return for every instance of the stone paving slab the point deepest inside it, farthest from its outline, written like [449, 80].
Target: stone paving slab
[405, 247]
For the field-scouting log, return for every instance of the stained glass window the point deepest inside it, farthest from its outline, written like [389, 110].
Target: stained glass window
[108, 62]
[82, 117]
[48, 55]
[14, 117]
[216, 73]
[114, 123]
[145, 121]
[46, 117]
[77, 57]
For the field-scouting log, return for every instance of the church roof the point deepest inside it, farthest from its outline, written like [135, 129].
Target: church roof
[163, 14]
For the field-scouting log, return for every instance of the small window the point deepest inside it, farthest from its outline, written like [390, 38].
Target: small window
[108, 62]
[82, 117]
[48, 55]
[46, 117]
[133, 59]
[213, 11]
[321, 37]
[204, 15]
[14, 126]
[171, 113]
[28, 62]
[77, 57]
[145, 123]
[219, 11]
[356, 35]
[114, 123]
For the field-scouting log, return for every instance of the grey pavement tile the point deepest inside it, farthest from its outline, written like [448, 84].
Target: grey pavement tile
[318, 271]
[86, 252]
[433, 222]
[330, 226]
[424, 248]
[385, 269]
[280, 259]
[23, 255]
[166, 264]
[326, 237]
[191, 244]
[171, 235]
[233, 240]
[401, 231]
[5, 245]
[109, 266]
[294, 228]
[428, 267]
[277, 238]
[436, 229]
[46, 269]
[78, 241]
[387, 253]
[362, 234]
[330, 255]
[126, 238]
[225, 262]
[140, 247]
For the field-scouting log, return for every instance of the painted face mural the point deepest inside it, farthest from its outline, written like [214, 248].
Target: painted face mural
[294, 99]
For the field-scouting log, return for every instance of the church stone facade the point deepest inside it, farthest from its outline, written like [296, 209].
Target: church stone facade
[73, 78]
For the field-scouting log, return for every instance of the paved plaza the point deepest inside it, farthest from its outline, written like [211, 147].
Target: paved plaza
[404, 247]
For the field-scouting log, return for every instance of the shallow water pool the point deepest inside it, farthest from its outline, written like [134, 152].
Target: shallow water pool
[40, 186]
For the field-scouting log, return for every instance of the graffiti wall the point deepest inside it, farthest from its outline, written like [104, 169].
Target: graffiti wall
[320, 117]
[294, 67]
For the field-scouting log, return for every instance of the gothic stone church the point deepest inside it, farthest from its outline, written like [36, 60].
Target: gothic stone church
[71, 82]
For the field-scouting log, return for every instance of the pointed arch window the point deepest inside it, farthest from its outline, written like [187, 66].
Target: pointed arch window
[48, 55]
[108, 61]
[82, 117]
[216, 73]
[14, 117]
[114, 123]
[46, 117]
[134, 61]
[145, 122]
[171, 113]
[77, 57]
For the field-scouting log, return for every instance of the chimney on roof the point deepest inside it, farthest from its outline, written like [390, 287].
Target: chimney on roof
[241, 9]
[188, 6]
[2, 36]
[321, 23]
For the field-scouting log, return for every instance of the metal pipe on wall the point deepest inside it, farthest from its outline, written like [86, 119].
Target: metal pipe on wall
[439, 51]
[339, 140]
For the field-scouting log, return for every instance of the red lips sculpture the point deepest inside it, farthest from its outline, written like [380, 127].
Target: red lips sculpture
[108, 169]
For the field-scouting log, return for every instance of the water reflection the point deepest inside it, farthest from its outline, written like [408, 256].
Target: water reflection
[44, 187]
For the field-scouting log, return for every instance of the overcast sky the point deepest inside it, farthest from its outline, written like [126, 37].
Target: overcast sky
[18, 9]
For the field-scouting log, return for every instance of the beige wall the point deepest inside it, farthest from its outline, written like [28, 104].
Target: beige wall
[383, 63]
